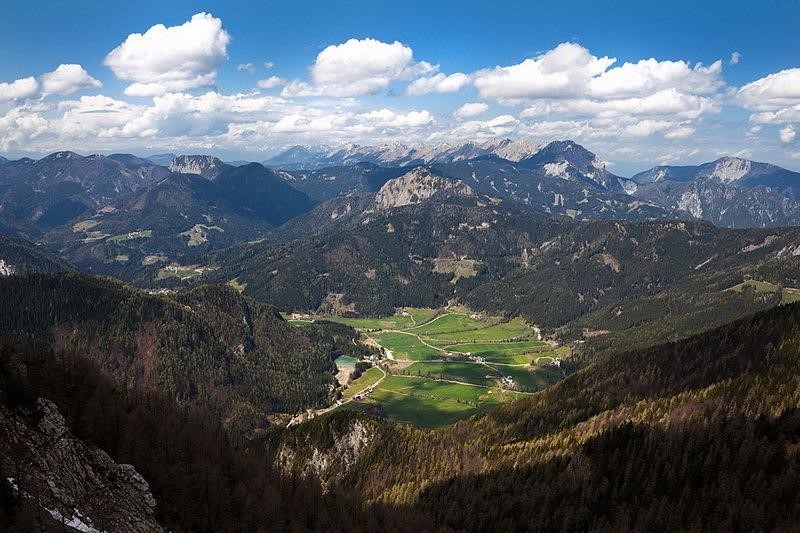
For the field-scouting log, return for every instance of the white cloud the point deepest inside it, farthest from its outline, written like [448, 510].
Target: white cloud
[668, 102]
[471, 109]
[358, 67]
[634, 99]
[648, 127]
[571, 71]
[561, 72]
[775, 99]
[496, 127]
[19, 89]
[787, 134]
[94, 116]
[387, 117]
[438, 83]
[67, 79]
[21, 125]
[735, 58]
[271, 82]
[649, 76]
[681, 132]
[268, 64]
[245, 67]
[778, 90]
[167, 59]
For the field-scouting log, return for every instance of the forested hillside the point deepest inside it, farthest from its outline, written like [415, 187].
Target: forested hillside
[18, 256]
[234, 357]
[573, 278]
[201, 480]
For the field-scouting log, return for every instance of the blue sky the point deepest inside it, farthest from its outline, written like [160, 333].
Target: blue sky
[344, 72]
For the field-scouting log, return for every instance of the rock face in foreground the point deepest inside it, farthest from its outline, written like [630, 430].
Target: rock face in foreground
[78, 484]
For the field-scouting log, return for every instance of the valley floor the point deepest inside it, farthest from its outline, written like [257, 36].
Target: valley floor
[439, 366]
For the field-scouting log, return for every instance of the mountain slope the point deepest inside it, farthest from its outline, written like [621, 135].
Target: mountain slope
[211, 347]
[563, 178]
[184, 215]
[200, 478]
[18, 256]
[139, 234]
[732, 170]
[39, 195]
[573, 278]
[331, 182]
[724, 204]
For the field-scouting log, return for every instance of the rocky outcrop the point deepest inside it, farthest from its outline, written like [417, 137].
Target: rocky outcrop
[331, 462]
[6, 269]
[78, 484]
[204, 165]
[417, 186]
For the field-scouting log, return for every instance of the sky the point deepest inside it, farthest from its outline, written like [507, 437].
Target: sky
[638, 83]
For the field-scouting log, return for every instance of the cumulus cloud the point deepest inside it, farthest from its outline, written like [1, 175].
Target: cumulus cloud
[636, 99]
[649, 76]
[787, 134]
[19, 89]
[735, 58]
[357, 67]
[245, 67]
[168, 59]
[680, 132]
[563, 71]
[21, 125]
[775, 91]
[67, 79]
[271, 82]
[438, 83]
[571, 71]
[471, 109]
[268, 64]
[499, 126]
[95, 115]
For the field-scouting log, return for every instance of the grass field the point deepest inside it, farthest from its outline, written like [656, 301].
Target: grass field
[469, 372]
[519, 352]
[426, 403]
[366, 380]
[406, 346]
[436, 377]
[788, 294]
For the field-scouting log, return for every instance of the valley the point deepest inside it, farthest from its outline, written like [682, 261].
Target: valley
[438, 366]
[414, 267]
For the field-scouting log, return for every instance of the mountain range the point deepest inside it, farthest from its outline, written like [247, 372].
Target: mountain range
[562, 178]
[211, 385]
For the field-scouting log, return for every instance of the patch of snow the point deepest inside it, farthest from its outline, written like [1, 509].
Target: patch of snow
[75, 521]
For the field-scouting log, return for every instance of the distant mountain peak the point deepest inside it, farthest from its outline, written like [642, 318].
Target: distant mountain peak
[204, 165]
[400, 154]
[729, 169]
[417, 186]
[64, 154]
